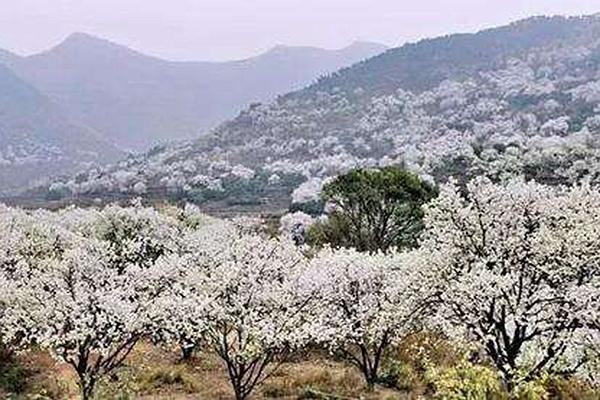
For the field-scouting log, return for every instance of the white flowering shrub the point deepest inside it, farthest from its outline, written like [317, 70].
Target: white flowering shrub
[295, 225]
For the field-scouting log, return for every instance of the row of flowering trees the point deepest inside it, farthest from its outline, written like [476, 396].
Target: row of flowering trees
[513, 268]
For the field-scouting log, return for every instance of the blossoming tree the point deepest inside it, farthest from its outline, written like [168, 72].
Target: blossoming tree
[516, 258]
[81, 295]
[239, 296]
[365, 302]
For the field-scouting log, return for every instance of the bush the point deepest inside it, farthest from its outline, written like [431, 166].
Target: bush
[571, 389]
[314, 394]
[399, 375]
[532, 390]
[13, 377]
[168, 378]
[555, 387]
[466, 381]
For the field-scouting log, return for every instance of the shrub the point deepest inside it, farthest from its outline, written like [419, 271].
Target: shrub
[13, 377]
[571, 389]
[466, 381]
[532, 390]
[168, 377]
[399, 375]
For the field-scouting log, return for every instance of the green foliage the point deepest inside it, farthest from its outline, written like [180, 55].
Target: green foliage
[399, 375]
[168, 377]
[532, 390]
[466, 381]
[119, 386]
[333, 231]
[571, 389]
[128, 382]
[374, 209]
[313, 208]
[310, 393]
[13, 377]
[236, 191]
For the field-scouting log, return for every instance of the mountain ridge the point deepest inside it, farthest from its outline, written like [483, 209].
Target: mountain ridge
[462, 105]
[136, 100]
[80, 38]
[36, 140]
[508, 37]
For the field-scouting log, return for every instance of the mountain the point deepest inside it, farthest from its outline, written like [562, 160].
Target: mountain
[425, 64]
[136, 100]
[523, 98]
[36, 140]
[6, 57]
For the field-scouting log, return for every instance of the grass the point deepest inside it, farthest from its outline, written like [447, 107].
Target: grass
[40, 377]
[152, 372]
[156, 373]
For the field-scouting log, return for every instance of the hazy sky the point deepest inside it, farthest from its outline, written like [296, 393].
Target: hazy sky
[231, 29]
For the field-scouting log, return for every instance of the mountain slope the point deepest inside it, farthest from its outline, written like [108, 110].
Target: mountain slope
[36, 140]
[474, 106]
[136, 100]
[423, 65]
[6, 57]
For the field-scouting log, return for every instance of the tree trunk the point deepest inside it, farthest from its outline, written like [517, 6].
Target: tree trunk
[187, 352]
[87, 383]
[240, 392]
[369, 364]
[87, 390]
[370, 378]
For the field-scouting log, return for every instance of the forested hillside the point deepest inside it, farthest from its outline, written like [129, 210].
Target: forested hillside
[523, 98]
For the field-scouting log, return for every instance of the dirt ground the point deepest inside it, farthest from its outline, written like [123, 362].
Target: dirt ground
[156, 373]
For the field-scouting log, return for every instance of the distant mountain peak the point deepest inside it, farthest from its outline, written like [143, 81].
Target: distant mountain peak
[135, 99]
[355, 48]
[366, 43]
[82, 38]
[78, 36]
[80, 42]
[284, 49]
[362, 46]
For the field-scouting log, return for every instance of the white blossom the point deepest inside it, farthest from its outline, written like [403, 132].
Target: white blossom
[513, 260]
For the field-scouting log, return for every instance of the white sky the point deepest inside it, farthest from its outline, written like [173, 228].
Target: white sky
[233, 29]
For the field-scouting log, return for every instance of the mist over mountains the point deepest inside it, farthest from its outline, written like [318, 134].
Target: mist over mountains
[127, 101]
[523, 98]
[136, 100]
[37, 139]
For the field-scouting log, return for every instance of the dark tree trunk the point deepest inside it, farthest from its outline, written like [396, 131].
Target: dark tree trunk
[187, 352]
[370, 360]
[88, 386]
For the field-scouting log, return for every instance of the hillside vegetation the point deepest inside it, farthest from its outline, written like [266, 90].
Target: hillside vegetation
[522, 98]
[88, 102]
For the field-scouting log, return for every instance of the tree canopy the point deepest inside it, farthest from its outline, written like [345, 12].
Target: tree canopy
[373, 209]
